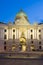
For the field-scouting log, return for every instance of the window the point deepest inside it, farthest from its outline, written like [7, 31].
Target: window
[5, 37]
[4, 47]
[39, 36]
[31, 41]
[5, 30]
[31, 30]
[14, 30]
[39, 47]
[5, 43]
[20, 47]
[13, 37]
[39, 42]
[31, 36]
[39, 30]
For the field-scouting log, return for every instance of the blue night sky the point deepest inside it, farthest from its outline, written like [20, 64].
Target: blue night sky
[33, 9]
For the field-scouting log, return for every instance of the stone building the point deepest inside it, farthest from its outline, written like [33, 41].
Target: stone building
[21, 36]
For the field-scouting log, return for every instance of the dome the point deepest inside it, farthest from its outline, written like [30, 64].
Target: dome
[21, 13]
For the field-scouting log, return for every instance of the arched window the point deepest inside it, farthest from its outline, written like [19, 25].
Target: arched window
[40, 43]
[39, 36]
[31, 36]
[39, 30]
[31, 41]
[5, 36]
[4, 47]
[31, 30]
[13, 30]
[5, 30]
[5, 43]
[13, 37]
[39, 47]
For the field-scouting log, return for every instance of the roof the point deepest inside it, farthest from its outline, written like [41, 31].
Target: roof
[40, 23]
[21, 13]
[3, 23]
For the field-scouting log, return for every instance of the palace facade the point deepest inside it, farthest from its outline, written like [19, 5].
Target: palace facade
[21, 36]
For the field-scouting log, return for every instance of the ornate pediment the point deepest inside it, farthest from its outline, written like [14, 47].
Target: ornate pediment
[22, 21]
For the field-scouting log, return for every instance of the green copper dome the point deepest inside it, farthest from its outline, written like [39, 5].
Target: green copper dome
[21, 13]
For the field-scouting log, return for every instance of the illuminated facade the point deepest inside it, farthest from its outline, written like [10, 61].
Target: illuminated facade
[21, 36]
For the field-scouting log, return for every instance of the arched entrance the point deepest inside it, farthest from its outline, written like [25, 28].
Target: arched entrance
[23, 42]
